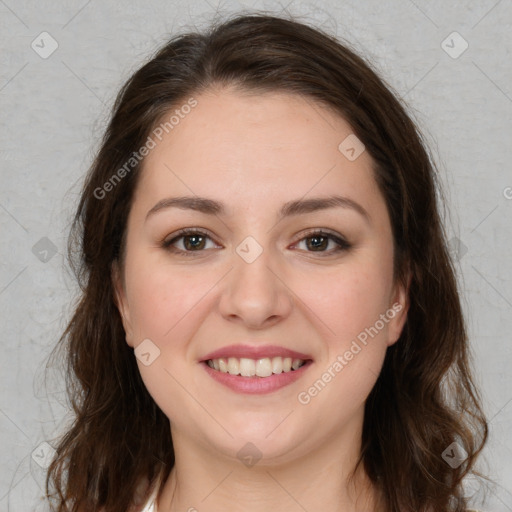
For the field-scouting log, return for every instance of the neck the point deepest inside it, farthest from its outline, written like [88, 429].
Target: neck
[205, 481]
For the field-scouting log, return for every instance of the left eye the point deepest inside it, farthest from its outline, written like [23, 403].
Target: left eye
[320, 242]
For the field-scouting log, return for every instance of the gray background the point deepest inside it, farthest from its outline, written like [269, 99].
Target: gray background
[54, 110]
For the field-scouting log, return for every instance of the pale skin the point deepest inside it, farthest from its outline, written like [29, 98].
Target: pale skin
[253, 153]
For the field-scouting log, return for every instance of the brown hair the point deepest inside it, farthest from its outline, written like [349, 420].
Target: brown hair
[424, 398]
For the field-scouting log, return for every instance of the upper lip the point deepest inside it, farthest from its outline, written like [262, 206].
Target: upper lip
[251, 352]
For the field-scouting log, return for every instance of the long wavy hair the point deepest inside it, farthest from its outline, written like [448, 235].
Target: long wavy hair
[425, 397]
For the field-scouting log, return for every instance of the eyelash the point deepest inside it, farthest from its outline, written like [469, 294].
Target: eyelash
[343, 245]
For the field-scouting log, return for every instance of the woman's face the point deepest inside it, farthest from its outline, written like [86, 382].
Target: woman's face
[289, 260]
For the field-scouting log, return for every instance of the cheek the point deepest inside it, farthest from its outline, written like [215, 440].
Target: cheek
[163, 308]
[350, 303]
[349, 299]
[355, 345]
[161, 298]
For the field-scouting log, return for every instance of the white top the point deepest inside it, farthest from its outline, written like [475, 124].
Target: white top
[151, 503]
[150, 507]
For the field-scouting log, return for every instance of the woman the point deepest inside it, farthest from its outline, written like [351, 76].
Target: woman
[269, 314]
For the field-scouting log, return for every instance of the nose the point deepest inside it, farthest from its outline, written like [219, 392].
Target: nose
[255, 294]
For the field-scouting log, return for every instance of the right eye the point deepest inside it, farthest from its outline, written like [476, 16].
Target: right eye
[187, 241]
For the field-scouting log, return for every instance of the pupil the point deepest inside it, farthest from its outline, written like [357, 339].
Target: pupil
[193, 241]
[318, 241]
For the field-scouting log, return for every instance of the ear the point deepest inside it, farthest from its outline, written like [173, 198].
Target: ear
[121, 301]
[400, 306]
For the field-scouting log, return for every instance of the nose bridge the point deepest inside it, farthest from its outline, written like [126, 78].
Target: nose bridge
[252, 268]
[255, 293]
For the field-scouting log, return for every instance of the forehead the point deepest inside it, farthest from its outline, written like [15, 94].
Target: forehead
[253, 148]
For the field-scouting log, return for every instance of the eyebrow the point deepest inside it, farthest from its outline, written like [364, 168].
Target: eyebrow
[296, 207]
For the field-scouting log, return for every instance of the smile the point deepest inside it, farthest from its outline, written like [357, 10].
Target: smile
[263, 380]
[263, 367]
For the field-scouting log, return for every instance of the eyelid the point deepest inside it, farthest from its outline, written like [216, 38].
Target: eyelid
[321, 231]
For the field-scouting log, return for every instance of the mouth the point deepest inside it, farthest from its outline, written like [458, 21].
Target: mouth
[262, 368]
[255, 370]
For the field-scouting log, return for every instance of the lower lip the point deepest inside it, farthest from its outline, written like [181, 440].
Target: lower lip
[256, 385]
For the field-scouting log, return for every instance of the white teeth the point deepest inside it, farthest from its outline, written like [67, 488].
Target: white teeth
[263, 367]
[247, 367]
[277, 364]
[296, 364]
[223, 364]
[233, 366]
